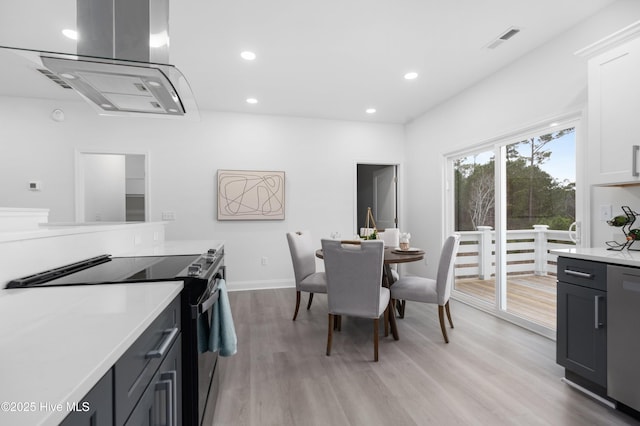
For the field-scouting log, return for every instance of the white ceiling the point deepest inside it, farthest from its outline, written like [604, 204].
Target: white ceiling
[331, 58]
[335, 58]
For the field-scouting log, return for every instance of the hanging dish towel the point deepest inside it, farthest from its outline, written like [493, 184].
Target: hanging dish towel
[203, 325]
[223, 333]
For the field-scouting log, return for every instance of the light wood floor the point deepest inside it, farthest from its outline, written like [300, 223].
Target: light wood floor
[492, 372]
[528, 296]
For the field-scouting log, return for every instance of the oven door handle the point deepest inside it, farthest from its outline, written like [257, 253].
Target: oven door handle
[205, 305]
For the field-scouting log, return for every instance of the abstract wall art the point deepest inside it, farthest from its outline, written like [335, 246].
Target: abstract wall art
[250, 195]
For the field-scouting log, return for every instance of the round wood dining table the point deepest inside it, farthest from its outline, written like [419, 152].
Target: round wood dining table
[392, 255]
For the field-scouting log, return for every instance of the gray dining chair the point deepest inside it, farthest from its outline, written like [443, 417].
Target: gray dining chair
[430, 290]
[304, 267]
[354, 284]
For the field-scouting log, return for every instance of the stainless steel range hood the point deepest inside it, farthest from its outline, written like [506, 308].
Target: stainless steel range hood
[121, 66]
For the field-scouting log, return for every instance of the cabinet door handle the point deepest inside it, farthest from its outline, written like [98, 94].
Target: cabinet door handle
[578, 274]
[596, 304]
[173, 403]
[634, 161]
[163, 406]
[159, 353]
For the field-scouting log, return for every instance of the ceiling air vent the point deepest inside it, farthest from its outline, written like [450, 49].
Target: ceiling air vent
[53, 77]
[508, 34]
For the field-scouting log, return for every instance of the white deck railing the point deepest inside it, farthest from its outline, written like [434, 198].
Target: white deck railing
[527, 251]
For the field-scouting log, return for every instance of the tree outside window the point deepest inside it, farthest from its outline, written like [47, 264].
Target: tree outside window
[540, 188]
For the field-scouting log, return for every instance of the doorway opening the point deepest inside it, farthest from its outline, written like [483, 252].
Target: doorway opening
[377, 187]
[111, 187]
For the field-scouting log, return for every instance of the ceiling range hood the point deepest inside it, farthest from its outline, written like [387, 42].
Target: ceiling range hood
[121, 66]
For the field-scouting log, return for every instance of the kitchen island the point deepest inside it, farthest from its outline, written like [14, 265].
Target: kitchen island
[58, 342]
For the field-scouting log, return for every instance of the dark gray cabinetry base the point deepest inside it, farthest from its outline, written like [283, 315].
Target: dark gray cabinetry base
[144, 387]
[137, 366]
[149, 375]
[159, 403]
[96, 408]
[581, 329]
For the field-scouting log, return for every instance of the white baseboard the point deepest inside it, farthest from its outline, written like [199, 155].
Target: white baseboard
[598, 398]
[259, 285]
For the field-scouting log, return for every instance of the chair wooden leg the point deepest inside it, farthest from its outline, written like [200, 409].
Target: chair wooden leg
[295, 314]
[442, 327]
[392, 320]
[403, 305]
[386, 321]
[375, 340]
[446, 307]
[329, 334]
[310, 300]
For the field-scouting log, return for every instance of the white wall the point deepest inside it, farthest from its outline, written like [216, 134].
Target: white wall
[549, 81]
[318, 156]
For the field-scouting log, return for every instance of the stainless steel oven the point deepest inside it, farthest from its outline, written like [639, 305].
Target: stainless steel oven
[200, 372]
[200, 274]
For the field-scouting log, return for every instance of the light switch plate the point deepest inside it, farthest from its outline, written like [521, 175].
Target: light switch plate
[605, 212]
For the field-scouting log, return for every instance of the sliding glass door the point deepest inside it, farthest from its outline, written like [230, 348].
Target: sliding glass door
[474, 218]
[513, 202]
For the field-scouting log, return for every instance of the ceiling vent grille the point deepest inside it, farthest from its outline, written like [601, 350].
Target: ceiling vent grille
[53, 77]
[506, 35]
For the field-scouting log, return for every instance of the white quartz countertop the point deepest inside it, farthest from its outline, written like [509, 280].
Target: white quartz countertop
[176, 248]
[57, 342]
[599, 254]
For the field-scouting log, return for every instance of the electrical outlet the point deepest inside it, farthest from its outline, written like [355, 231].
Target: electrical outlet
[605, 212]
[265, 260]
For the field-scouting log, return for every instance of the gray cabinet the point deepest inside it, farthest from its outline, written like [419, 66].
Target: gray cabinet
[144, 387]
[160, 402]
[96, 408]
[148, 376]
[581, 324]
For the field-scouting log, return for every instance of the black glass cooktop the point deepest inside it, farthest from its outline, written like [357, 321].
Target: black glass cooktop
[112, 270]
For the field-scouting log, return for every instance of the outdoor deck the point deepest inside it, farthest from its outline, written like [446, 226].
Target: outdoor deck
[529, 296]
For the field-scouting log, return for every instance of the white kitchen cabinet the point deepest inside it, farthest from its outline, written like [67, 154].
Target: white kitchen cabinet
[614, 116]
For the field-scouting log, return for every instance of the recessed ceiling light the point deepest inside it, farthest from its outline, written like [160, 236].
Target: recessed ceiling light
[554, 124]
[67, 76]
[252, 101]
[411, 75]
[154, 83]
[247, 55]
[370, 111]
[69, 33]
